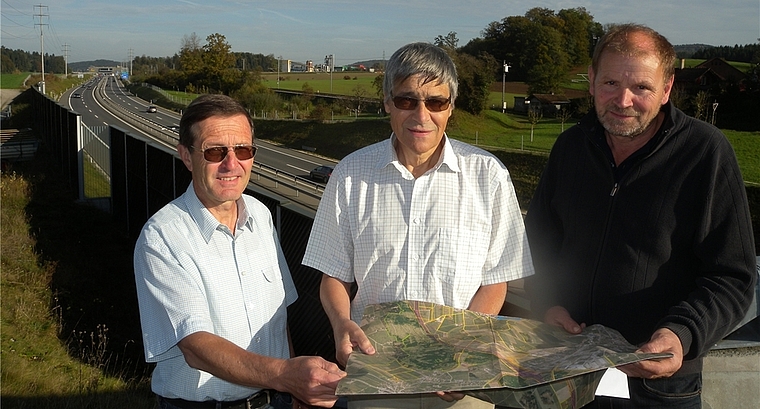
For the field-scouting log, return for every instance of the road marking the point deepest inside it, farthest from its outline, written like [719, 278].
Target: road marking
[297, 168]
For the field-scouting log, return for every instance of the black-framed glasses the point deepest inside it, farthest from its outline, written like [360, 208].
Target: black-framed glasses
[432, 104]
[216, 154]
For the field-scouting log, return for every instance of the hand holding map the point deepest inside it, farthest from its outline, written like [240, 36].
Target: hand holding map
[423, 347]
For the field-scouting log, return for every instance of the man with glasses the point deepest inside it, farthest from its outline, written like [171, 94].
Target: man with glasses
[213, 285]
[416, 217]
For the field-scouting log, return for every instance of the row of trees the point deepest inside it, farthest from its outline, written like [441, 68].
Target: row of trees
[742, 53]
[541, 47]
[15, 61]
[204, 67]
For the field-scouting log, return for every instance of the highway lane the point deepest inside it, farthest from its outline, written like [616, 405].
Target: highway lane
[294, 162]
[94, 114]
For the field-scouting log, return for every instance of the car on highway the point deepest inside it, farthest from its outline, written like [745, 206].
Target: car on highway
[321, 173]
[76, 95]
[152, 109]
[173, 128]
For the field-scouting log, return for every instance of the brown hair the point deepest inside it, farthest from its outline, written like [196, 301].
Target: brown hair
[204, 107]
[619, 39]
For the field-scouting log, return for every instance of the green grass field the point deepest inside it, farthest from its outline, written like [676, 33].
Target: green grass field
[321, 83]
[13, 81]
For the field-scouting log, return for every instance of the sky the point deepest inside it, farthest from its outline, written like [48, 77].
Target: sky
[350, 30]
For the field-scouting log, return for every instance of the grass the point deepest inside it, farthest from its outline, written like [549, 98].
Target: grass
[68, 318]
[320, 81]
[13, 81]
[747, 148]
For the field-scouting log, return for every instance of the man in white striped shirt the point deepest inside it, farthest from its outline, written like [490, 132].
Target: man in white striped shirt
[416, 217]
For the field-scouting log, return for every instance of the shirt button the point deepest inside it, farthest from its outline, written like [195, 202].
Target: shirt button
[416, 220]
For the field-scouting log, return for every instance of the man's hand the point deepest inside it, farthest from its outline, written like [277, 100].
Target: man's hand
[560, 317]
[310, 380]
[450, 396]
[663, 340]
[347, 336]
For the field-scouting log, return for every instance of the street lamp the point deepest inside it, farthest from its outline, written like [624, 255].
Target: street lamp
[330, 62]
[503, 78]
[278, 70]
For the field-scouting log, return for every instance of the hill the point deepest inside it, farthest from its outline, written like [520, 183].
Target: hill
[687, 50]
[85, 65]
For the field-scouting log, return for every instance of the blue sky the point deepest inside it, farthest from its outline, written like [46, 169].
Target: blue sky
[351, 30]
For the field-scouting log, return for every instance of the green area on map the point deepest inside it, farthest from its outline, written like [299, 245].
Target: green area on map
[423, 347]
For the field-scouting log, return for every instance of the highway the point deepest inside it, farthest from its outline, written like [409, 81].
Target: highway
[103, 101]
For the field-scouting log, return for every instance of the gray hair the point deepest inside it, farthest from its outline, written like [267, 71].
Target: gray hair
[424, 59]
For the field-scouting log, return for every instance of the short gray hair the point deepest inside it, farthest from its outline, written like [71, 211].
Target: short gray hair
[424, 59]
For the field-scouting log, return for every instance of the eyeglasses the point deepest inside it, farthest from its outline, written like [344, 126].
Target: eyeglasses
[217, 154]
[432, 104]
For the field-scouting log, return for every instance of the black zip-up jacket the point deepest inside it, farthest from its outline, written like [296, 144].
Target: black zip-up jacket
[664, 240]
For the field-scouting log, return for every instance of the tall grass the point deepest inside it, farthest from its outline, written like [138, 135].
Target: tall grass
[45, 364]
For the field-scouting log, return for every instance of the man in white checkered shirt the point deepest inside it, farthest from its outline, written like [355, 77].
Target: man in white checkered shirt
[416, 217]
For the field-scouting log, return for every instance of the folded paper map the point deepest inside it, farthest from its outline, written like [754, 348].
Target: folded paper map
[423, 347]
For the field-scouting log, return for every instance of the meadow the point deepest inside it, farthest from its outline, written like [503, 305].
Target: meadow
[13, 81]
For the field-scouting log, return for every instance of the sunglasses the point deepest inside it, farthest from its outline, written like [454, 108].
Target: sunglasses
[217, 154]
[432, 104]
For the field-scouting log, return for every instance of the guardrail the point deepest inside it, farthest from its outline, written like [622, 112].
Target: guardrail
[281, 179]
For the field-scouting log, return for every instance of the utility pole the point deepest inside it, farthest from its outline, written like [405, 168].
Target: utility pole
[278, 70]
[330, 61]
[503, 79]
[42, 44]
[131, 57]
[66, 59]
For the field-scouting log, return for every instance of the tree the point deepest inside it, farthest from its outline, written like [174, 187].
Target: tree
[548, 64]
[563, 114]
[359, 95]
[700, 105]
[475, 78]
[449, 42]
[534, 116]
[578, 32]
[191, 54]
[377, 84]
[542, 45]
[7, 65]
[219, 63]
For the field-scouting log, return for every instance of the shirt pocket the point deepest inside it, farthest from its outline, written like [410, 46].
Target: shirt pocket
[272, 274]
[458, 263]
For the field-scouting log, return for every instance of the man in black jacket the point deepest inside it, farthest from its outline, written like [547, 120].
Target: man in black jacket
[640, 222]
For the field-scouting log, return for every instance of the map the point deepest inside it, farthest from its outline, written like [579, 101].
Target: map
[514, 362]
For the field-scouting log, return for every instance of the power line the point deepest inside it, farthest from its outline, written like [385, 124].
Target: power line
[15, 9]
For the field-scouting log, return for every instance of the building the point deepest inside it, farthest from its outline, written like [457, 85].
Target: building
[549, 104]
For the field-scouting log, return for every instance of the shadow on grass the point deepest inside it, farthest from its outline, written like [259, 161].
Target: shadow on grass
[135, 399]
[94, 297]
